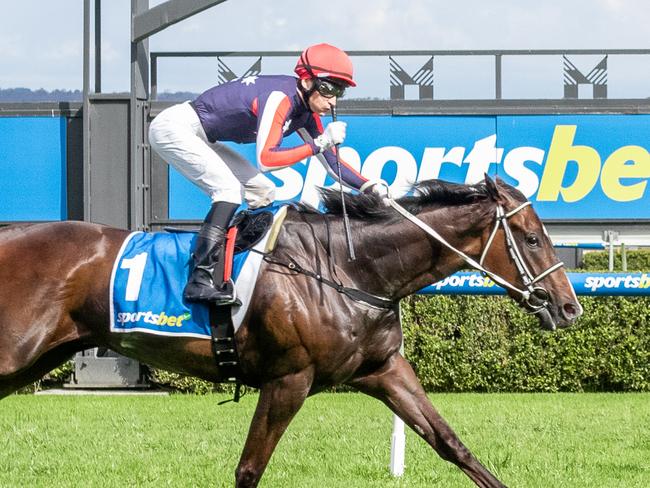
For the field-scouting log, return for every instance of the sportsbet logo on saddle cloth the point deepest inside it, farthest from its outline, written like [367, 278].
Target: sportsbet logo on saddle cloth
[149, 275]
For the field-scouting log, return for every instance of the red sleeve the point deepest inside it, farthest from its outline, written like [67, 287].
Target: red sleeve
[270, 129]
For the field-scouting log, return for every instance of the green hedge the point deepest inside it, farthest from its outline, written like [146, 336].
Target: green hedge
[637, 260]
[186, 384]
[488, 344]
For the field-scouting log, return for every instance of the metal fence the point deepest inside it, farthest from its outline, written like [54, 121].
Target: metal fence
[422, 75]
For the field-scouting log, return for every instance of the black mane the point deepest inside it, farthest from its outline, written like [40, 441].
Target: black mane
[369, 206]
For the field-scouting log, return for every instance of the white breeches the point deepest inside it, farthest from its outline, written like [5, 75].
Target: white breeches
[177, 136]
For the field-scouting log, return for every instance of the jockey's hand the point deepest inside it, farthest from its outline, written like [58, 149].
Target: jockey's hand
[334, 134]
[378, 187]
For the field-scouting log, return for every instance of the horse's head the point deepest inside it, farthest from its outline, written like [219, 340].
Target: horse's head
[518, 249]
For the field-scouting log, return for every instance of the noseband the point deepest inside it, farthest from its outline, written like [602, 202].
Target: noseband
[534, 298]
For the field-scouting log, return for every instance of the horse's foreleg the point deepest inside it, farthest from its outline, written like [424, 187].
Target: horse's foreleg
[278, 403]
[397, 386]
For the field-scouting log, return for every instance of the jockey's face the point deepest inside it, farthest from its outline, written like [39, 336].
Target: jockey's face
[317, 102]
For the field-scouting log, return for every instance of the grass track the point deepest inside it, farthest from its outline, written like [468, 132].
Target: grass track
[337, 440]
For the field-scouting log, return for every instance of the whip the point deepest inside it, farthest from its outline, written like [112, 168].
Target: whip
[346, 222]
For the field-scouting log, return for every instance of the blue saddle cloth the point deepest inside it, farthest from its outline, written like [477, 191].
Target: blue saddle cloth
[150, 273]
[147, 286]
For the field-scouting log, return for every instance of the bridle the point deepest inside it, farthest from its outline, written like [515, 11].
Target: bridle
[534, 298]
[537, 293]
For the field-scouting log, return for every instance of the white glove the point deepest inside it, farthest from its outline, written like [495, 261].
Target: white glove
[334, 134]
[378, 187]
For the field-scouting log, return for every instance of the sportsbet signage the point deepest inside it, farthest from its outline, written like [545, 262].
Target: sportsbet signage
[605, 284]
[578, 167]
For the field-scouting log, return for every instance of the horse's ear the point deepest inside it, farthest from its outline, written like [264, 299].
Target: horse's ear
[500, 181]
[492, 187]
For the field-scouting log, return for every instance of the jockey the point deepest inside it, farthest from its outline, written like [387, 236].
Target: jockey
[260, 109]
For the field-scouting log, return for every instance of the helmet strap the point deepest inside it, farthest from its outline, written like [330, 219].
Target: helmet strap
[306, 93]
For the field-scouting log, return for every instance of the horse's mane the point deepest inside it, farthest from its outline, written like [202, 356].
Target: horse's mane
[370, 206]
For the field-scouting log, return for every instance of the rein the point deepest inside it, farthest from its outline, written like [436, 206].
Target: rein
[532, 293]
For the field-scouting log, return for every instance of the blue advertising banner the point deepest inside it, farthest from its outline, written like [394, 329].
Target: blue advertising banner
[578, 167]
[593, 284]
[33, 168]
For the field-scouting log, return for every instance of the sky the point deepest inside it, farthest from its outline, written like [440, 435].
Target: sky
[41, 42]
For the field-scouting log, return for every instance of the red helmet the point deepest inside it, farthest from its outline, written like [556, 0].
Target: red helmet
[325, 61]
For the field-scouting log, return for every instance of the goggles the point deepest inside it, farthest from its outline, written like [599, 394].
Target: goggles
[328, 88]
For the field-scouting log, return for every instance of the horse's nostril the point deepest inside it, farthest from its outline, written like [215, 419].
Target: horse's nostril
[571, 311]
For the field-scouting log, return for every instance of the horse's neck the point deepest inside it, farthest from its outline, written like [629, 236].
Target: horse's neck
[396, 259]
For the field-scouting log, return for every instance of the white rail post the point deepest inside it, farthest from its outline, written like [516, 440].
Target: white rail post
[610, 236]
[397, 447]
[398, 439]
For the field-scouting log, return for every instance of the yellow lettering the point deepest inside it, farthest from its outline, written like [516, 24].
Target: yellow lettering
[645, 281]
[616, 168]
[171, 320]
[560, 153]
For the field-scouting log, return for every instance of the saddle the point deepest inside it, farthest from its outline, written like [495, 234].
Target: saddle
[246, 229]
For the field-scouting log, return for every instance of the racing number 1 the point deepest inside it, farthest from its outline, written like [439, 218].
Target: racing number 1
[135, 265]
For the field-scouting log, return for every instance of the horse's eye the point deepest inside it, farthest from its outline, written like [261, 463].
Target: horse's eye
[532, 240]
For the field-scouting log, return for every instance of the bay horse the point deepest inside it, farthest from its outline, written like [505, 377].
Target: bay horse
[300, 335]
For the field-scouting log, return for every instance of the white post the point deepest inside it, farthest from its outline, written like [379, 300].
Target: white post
[398, 439]
[397, 447]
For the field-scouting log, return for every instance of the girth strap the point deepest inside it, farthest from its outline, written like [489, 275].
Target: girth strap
[224, 347]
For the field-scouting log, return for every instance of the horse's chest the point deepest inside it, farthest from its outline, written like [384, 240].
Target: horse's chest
[382, 343]
[357, 344]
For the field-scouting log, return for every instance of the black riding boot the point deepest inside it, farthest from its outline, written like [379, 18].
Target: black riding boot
[206, 285]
